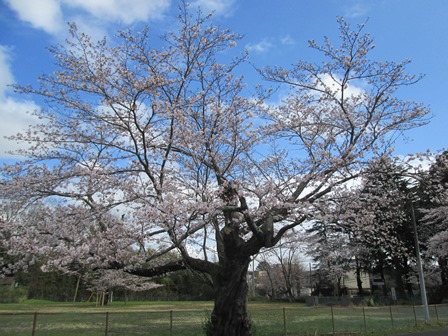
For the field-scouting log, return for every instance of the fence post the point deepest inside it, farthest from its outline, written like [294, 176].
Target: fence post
[171, 323]
[332, 319]
[365, 321]
[391, 317]
[284, 321]
[415, 315]
[107, 323]
[33, 332]
[437, 313]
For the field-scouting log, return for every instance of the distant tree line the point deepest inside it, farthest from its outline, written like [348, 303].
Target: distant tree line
[34, 284]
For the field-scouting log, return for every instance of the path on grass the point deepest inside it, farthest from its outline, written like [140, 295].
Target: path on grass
[443, 332]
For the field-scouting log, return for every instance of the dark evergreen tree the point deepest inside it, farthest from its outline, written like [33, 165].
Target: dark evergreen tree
[383, 223]
[433, 214]
[374, 223]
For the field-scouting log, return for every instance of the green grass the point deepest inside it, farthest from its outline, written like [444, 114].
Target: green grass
[186, 318]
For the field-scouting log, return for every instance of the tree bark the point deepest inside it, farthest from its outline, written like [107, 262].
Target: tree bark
[358, 279]
[399, 274]
[229, 316]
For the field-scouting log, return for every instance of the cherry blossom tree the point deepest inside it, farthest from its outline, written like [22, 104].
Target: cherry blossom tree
[144, 151]
[332, 250]
[283, 266]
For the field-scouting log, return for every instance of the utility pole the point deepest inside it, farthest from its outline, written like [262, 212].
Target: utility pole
[421, 276]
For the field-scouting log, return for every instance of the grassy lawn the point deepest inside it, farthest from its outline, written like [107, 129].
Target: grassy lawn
[186, 319]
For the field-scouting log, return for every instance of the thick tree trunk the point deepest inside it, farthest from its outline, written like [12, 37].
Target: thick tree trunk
[359, 281]
[399, 275]
[229, 316]
[384, 279]
[358, 278]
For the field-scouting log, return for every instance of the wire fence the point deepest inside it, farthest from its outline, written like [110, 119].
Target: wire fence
[321, 320]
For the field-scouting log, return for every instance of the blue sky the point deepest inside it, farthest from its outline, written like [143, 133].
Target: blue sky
[275, 33]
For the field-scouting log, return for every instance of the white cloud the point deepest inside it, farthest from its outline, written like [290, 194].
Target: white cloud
[97, 30]
[121, 10]
[42, 14]
[356, 10]
[14, 113]
[326, 81]
[15, 119]
[219, 7]
[6, 77]
[51, 15]
[287, 40]
[260, 47]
